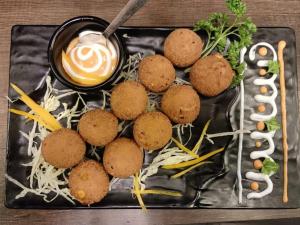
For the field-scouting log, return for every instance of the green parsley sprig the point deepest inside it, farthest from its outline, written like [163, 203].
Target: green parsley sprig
[219, 27]
[272, 124]
[273, 67]
[239, 75]
[269, 166]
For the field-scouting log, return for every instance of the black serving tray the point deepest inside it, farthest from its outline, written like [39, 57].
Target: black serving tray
[212, 186]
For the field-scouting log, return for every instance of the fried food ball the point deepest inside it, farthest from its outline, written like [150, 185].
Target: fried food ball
[181, 104]
[63, 148]
[88, 182]
[211, 75]
[98, 127]
[152, 130]
[122, 158]
[128, 100]
[183, 47]
[156, 73]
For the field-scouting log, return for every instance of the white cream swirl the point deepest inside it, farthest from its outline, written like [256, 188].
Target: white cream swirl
[260, 177]
[263, 153]
[266, 99]
[260, 81]
[90, 58]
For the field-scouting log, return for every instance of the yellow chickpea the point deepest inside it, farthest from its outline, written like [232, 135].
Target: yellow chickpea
[263, 89]
[258, 144]
[254, 186]
[261, 108]
[80, 194]
[257, 164]
[84, 176]
[260, 126]
[263, 51]
[262, 72]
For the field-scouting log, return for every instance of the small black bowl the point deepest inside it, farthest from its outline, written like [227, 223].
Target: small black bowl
[63, 36]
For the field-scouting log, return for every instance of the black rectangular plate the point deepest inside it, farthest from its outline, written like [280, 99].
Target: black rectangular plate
[214, 186]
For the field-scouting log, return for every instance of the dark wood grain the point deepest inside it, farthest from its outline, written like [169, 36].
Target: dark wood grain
[155, 13]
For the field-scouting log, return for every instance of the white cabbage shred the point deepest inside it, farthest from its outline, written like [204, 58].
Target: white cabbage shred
[49, 182]
[130, 70]
[167, 156]
[180, 131]
[44, 178]
[181, 81]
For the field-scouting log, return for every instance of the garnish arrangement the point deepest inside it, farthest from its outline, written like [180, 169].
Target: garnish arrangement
[220, 28]
[151, 125]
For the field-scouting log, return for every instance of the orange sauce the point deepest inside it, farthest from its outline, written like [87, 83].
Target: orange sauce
[89, 62]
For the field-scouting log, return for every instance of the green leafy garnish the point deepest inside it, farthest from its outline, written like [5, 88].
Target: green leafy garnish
[269, 166]
[273, 67]
[219, 27]
[239, 76]
[237, 7]
[233, 54]
[272, 124]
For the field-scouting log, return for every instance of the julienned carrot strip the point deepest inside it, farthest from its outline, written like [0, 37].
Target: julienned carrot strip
[30, 116]
[194, 161]
[137, 191]
[161, 192]
[183, 148]
[40, 111]
[199, 142]
[188, 169]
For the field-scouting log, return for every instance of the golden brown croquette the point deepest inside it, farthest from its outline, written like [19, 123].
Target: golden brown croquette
[211, 75]
[181, 104]
[98, 127]
[122, 158]
[183, 47]
[88, 182]
[152, 130]
[156, 73]
[128, 100]
[63, 148]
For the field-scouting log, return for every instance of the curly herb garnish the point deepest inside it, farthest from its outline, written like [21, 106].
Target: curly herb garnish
[273, 67]
[272, 124]
[239, 75]
[269, 166]
[219, 27]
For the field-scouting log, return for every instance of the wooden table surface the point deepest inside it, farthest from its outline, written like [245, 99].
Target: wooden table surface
[155, 13]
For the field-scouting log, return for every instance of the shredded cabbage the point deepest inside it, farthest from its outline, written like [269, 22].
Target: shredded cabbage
[126, 35]
[123, 126]
[167, 156]
[104, 95]
[44, 178]
[181, 81]
[154, 100]
[112, 182]
[130, 70]
[181, 131]
[93, 152]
